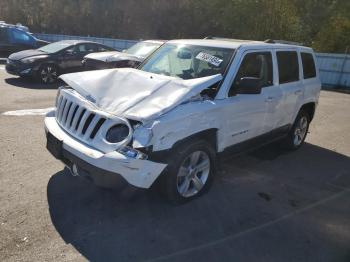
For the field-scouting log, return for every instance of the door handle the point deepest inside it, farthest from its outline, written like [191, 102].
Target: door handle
[269, 99]
[298, 92]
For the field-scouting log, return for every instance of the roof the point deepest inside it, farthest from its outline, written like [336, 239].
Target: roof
[154, 41]
[74, 42]
[233, 43]
[18, 26]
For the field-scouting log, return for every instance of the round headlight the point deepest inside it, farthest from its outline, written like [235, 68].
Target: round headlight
[117, 133]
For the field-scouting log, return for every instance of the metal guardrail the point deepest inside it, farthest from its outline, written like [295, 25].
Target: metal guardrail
[118, 44]
[334, 69]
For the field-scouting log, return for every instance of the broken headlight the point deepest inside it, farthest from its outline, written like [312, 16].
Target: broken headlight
[117, 133]
[132, 153]
[142, 137]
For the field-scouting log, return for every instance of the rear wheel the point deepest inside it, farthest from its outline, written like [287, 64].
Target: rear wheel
[190, 173]
[298, 132]
[48, 74]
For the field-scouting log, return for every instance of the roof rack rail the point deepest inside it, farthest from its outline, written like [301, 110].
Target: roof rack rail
[272, 41]
[18, 26]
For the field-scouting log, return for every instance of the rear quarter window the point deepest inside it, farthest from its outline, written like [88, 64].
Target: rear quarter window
[21, 37]
[309, 67]
[288, 66]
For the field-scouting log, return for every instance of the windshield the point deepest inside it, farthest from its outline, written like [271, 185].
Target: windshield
[188, 61]
[142, 49]
[54, 47]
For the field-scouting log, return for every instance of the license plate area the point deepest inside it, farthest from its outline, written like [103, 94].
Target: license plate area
[54, 145]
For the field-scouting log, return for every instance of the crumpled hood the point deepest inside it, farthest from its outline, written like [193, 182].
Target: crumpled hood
[136, 94]
[124, 57]
[113, 56]
[102, 56]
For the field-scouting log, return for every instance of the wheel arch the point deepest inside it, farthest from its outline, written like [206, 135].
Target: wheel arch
[309, 108]
[208, 135]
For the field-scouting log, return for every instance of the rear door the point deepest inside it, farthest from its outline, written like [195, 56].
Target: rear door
[289, 76]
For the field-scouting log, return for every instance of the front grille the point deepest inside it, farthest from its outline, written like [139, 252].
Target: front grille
[84, 121]
[77, 119]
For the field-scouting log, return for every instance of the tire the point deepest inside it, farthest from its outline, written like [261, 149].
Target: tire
[48, 74]
[298, 132]
[182, 172]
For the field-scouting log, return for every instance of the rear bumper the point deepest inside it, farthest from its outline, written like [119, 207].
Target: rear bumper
[105, 169]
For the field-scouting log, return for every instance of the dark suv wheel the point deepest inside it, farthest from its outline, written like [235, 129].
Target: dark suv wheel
[190, 172]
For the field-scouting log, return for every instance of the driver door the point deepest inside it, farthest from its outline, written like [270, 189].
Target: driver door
[245, 114]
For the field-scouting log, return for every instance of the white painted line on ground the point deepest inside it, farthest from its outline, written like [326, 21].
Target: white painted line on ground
[250, 230]
[2, 67]
[29, 112]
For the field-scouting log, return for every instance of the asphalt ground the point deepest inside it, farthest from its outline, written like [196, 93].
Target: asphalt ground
[268, 205]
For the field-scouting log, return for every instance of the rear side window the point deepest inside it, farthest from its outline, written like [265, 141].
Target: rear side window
[309, 68]
[257, 65]
[288, 67]
[21, 37]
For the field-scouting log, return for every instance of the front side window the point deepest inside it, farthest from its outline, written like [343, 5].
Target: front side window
[54, 47]
[188, 61]
[86, 48]
[309, 68]
[288, 66]
[254, 65]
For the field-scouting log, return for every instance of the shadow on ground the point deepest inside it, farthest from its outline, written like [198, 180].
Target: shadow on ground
[31, 83]
[257, 210]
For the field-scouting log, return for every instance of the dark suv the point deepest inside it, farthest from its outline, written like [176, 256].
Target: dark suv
[13, 39]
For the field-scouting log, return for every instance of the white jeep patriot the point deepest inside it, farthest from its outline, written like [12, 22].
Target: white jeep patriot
[188, 103]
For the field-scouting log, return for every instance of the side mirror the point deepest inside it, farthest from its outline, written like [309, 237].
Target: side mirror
[249, 85]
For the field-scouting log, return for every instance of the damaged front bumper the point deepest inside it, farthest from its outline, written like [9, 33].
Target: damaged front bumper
[104, 169]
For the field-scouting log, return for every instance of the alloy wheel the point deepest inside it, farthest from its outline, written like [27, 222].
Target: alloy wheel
[300, 131]
[193, 174]
[48, 74]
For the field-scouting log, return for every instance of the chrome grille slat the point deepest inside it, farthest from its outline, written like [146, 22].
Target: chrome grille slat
[61, 107]
[69, 115]
[91, 127]
[65, 111]
[76, 117]
[82, 122]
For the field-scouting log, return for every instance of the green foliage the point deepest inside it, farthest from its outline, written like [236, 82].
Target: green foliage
[322, 24]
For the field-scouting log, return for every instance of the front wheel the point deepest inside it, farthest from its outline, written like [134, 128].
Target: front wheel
[48, 74]
[298, 132]
[190, 172]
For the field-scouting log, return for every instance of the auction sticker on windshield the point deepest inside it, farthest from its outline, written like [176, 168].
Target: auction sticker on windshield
[209, 58]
